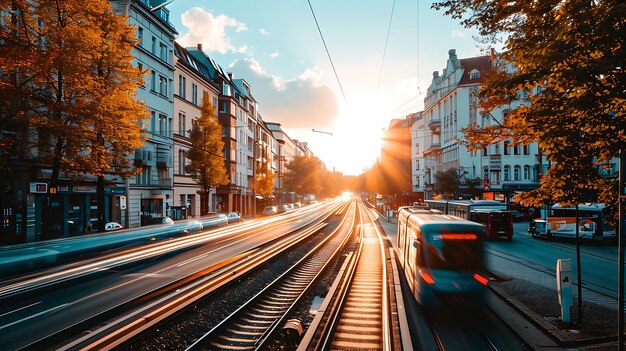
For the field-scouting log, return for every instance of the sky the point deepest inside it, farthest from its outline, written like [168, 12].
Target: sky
[276, 47]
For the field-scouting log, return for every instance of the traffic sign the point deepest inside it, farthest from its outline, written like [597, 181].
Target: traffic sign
[485, 187]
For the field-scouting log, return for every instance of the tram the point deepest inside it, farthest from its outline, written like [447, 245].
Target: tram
[442, 257]
[495, 215]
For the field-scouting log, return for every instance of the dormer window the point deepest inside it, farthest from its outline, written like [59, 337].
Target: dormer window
[474, 74]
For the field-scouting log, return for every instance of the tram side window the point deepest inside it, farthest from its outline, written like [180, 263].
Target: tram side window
[401, 234]
[419, 254]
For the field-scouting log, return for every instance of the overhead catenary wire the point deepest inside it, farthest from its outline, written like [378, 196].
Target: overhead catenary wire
[328, 52]
[382, 64]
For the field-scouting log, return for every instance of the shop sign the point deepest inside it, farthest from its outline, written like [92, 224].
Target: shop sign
[38, 188]
[84, 189]
[64, 188]
[118, 191]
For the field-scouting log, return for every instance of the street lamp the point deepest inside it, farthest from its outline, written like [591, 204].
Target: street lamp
[323, 132]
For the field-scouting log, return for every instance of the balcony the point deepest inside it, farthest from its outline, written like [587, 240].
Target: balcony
[434, 148]
[435, 125]
[165, 182]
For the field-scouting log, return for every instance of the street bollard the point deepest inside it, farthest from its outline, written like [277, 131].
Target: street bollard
[564, 287]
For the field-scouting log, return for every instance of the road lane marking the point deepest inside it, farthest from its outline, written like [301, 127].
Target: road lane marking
[19, 309]
[34, 315]
[191, 260]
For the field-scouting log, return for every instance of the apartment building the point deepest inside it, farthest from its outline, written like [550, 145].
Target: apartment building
[449, 106]
[192, 81]
[150, 193]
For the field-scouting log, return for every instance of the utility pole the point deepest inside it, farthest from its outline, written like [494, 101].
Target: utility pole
[620, 261]
[580, 285]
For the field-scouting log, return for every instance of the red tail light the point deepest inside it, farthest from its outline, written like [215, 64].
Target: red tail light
[427, 278]
[484, 281]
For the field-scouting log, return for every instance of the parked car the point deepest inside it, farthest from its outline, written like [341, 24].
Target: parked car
[270, 210]
[283, 208]
[161, 220]
[112, 226]
[298, 204]
[234, 217]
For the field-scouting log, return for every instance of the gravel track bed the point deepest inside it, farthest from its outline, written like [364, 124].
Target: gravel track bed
[182, 330]
[304, 310]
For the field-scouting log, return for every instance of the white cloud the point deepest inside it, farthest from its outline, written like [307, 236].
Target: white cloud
[274, 54]
[241, 49]
[264, 32]
[457, 34]
[209, 30]
[303, 102]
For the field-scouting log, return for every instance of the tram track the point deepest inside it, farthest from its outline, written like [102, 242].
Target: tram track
[127, 319]
[253, 325]
[358, 316]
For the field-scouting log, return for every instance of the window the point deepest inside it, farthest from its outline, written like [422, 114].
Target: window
[182, 124]
[163, 52]
[182, 86]
[140, 35]
[526, 149]
[143, 79]
[223, 107]
[153, 49]
[163, 86]
[496, 149]
[507, 172]
[526, 172]
[226, 89]
[486, 173]
[163, 125]
[516, 172]
[507, 145]
[194, 94]
[516, 150]
[143, 178]
[214, 102]
[152, 80]
[153, 121]
[474, 74]
[485, 153]
[181, 162]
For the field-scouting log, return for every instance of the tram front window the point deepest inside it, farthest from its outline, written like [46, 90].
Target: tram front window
[455, 251]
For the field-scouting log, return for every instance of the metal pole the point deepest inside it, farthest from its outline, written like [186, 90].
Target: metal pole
[620, 261]
[580, 285]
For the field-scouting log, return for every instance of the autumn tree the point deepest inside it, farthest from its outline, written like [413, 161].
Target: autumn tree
[265, 181]
[68, 79]
[303, 175]
[448, 183]
[206, 155]
[565, 61]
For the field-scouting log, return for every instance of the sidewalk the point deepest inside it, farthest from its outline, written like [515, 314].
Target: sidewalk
[534, 295]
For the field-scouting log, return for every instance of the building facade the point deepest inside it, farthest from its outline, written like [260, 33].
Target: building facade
[451, 105]
[150, 192]
[192, 81]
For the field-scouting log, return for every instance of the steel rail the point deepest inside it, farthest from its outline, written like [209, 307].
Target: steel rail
[347, 329]
[158, 304]
[259, 319]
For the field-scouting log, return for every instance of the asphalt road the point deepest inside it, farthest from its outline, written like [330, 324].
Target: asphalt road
[31, 316]
[598, 261]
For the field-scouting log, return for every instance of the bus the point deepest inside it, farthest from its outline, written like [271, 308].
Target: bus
[442, 257]
[561, 222]
[495, 215]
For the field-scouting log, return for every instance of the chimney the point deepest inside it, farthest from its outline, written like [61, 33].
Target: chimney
[199, 46]
[230, 75]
